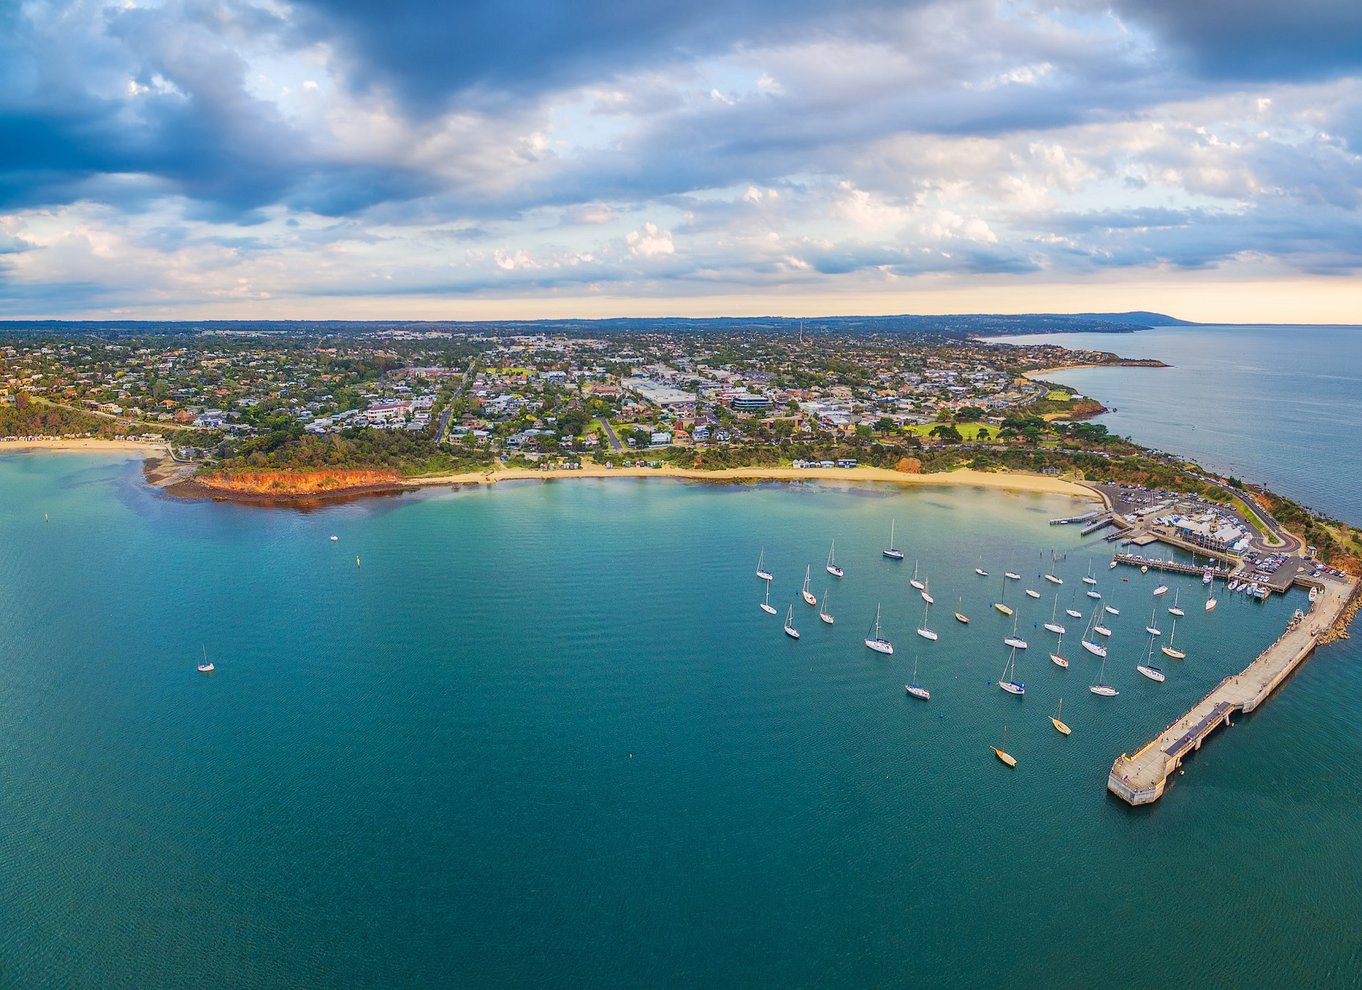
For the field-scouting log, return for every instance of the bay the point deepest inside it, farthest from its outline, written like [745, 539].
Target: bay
[1275, 405]
[541, 734]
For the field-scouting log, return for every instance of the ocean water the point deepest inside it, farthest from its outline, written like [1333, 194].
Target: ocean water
[1277, 405]
[542, 735]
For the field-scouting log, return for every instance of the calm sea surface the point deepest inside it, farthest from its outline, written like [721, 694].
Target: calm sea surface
[543, 736]
[1278, 405]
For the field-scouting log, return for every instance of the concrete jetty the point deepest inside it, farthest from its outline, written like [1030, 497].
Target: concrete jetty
[1142, 777]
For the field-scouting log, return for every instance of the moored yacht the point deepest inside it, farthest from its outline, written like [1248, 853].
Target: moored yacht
[832, 567]
[790, 629]
[762, 572]
[875, 641]
[891, 551]
[806, 594]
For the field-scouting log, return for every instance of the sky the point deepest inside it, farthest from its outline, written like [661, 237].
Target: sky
[476, 159]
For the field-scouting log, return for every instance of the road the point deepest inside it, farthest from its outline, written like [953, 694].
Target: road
[610, 435]
[443, 430]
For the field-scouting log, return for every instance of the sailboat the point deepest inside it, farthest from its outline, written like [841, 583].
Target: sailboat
[1170, 650]
[1161, 590]
[927, 595]
[832, 567]
[1111, 610]
[823, 612]
[1210, 599]
[1057, 658]
[1001, 604]
[1054, 719]
[1088, 578]
[766, 605]
[1175, 609]
[1054, 580]
[914, 579]
[1032, 593]
[980, 569]
[207, 666]
[1094, 594]
[1099, 686]
[915, 689]
[1072, 612]
[1013, 641]
[1008, 681]
[891, 551]
[925, 632]
[809, 599]
[959, 615]
[1095, 649]
[1112, 565]
[1147, 668]
[790, 629]
[1052, 625]
[762, 572]
[1152, 629]
[877, 642]
[1012, 575]
[1003, 754]
[1101, 630]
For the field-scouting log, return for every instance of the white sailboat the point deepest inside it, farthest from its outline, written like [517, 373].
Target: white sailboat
[1072, 612]
[1099, 686]
[1147, 668]
[980, 569]
[832, 567]
[207, 666]
[1095, 595]
[1032, 593]
[925, 632]
[766, 605]
[1057, 657]
[823, 612]
[915, 689]
[808, 595]
[1014, 641]
[1176, 609]
[1053, 579]
[1008, 681]
[790, 629]
[1170, 650]
[1053, 625]
[1012, 575]
[1088, 578]
[927, 595]
[1152, 629]
[1111, 610]
[877, 642]
[1101, 630]
[914, 581]
[762, 572]
[1210, 596]
[891, 551]
[1096, 649]
[1161, 590]
[960, 616]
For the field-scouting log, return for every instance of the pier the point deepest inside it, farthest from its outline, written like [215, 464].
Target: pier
[1141, 778]
[1101, 522]
[1070, 520]
[1171, 566]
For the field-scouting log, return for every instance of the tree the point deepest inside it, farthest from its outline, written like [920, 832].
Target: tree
[969, 414]
[884, 424]
[947, 433]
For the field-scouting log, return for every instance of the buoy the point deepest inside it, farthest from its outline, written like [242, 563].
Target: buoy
[356, 561]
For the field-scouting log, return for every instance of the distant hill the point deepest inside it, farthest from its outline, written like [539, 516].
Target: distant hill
[951, 326]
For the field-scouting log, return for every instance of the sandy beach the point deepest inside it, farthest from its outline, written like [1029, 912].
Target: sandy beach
[85, 444]
[1009, 481]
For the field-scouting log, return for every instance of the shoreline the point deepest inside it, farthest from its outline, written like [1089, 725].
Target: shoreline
[1015, 481]
[57, 445]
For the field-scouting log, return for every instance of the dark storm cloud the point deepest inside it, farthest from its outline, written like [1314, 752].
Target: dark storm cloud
[427, 50]
[1257, 39]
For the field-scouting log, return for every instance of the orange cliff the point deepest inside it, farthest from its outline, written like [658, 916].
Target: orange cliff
[295, 484]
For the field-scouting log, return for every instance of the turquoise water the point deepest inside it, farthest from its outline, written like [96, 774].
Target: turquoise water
[544, 736]
[1277, 405]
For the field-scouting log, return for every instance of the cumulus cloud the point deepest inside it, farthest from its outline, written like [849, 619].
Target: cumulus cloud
[251, 149]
